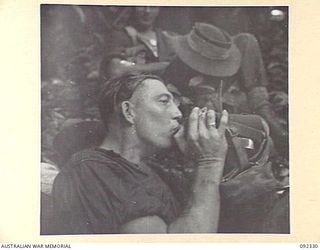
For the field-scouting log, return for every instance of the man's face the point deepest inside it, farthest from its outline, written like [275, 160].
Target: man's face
[145, 16]
[156, 114]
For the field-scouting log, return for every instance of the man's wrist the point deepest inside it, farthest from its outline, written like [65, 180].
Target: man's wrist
[211, 168]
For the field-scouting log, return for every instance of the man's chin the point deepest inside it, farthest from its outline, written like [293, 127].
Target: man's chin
[145, 24]
[165, 145]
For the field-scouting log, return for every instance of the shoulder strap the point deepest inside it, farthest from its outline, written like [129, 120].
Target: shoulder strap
[132, 33]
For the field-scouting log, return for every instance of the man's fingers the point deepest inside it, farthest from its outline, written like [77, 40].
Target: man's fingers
[193, 123]
[223, 122]
[211, 119]
[202, 121]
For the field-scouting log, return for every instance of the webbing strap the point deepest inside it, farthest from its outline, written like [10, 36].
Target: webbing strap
[133, 34]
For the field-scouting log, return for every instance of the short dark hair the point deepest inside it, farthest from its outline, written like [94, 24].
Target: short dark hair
[117, 90]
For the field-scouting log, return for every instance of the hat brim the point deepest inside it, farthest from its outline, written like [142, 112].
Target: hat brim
[204, 65]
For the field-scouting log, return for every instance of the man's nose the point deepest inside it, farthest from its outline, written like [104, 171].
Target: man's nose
[177, 115]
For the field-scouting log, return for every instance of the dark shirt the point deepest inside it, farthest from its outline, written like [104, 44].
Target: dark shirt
[98, 191]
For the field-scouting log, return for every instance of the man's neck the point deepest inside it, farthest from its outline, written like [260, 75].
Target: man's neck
[125, 143]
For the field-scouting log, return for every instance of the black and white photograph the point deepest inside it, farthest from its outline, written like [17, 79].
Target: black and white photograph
[164, 119]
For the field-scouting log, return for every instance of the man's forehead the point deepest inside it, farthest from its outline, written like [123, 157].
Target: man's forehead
[151, 87]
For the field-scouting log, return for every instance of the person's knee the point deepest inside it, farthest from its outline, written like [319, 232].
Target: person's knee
[248, 37]
[246, 40]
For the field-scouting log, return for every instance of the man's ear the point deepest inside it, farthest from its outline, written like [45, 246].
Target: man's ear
[127, 111]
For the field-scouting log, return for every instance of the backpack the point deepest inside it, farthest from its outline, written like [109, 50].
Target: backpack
[249, 144]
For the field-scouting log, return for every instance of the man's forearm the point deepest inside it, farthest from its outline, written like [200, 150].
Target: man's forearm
[202, 213]
[119, 67]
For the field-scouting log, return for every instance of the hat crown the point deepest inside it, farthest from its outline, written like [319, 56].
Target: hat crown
[211, 33]
[209, 50]
[210, 41]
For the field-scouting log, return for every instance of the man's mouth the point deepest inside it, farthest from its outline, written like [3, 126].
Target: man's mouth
[175, 130]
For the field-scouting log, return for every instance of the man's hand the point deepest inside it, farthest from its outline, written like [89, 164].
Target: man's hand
[204, 139]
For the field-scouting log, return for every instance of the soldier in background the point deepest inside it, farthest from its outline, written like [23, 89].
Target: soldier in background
[219, 71]
[138, 47]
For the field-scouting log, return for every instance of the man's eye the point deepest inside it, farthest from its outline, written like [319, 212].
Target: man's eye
[164, 101]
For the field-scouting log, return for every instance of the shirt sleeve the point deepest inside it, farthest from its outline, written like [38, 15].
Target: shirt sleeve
[252, 68]
[87, 199]
[252, 71]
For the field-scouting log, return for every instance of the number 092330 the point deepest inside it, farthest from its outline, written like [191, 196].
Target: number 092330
[308, 245]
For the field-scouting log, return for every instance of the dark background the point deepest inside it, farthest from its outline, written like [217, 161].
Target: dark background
[75, 38]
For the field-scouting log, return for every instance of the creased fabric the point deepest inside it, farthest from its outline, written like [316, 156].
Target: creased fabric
[98, 191]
